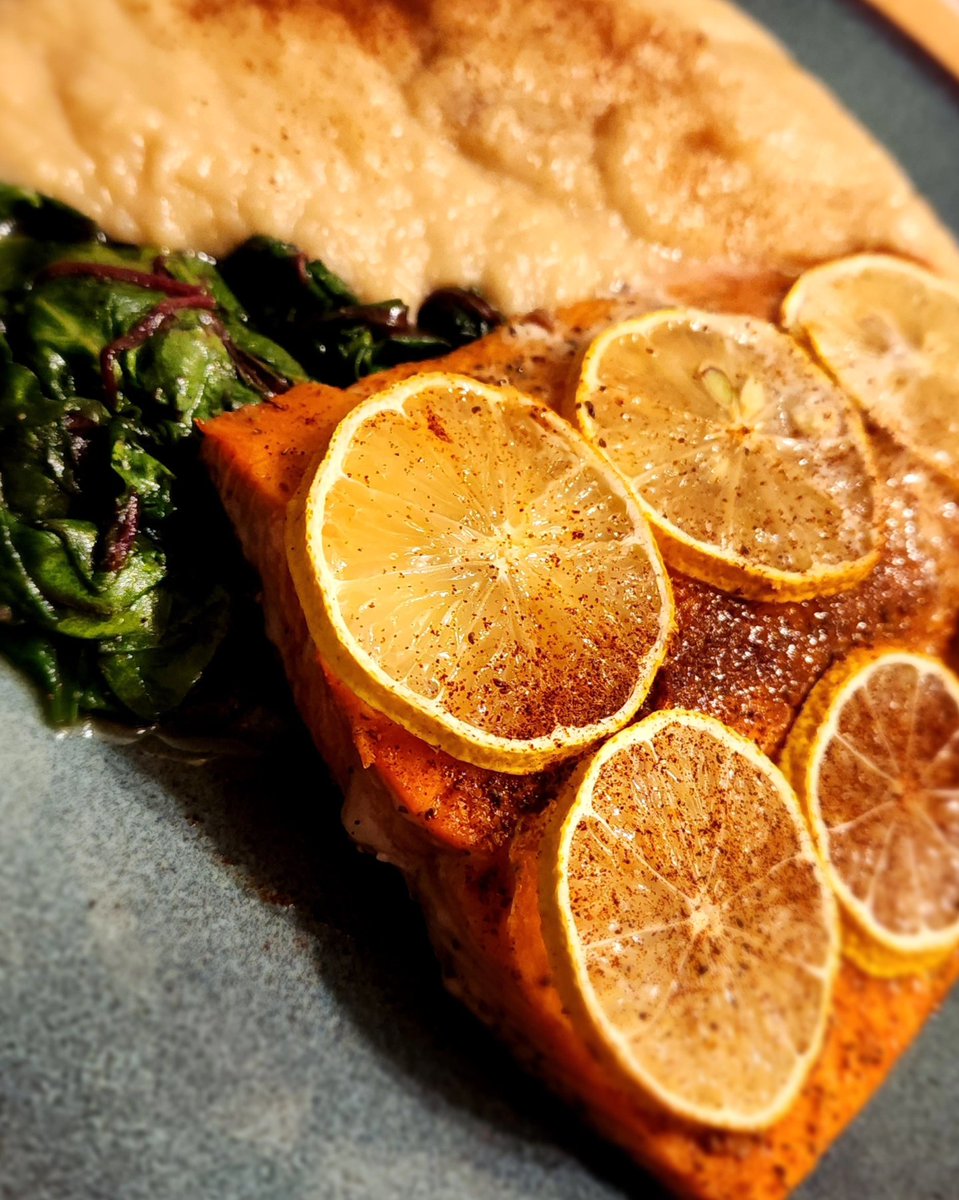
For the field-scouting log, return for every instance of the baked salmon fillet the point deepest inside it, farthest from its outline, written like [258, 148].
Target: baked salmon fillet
[466, 838]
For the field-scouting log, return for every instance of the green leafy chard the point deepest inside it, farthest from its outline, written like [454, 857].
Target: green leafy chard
[120, 581]
[114, 562]
[304, 307]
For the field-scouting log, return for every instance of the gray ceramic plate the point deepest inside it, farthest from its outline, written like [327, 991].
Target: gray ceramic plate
[205, 994]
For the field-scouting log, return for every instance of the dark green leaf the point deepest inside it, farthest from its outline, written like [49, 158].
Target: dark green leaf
[34, 216]
[61, 563]
[37, 657]
[278, 286]
[143, 474]
[115, 560]
[154, 679]
[183, 374]
[457, 316]
[19, 593]
[68, 322]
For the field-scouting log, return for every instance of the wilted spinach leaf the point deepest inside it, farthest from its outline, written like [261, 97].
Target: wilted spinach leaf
[119, 577]
[457, 315]
[112, 598]
[310, 311]
[38, 217]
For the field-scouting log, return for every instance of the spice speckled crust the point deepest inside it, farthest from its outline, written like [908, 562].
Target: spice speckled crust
[467, 838]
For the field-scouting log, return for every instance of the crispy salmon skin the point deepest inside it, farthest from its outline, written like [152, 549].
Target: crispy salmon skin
[466, 838]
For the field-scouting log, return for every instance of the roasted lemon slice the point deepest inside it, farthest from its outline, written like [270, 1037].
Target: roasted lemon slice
[751, 464]
[470, 567]
[875, 759]
[888, 332]
[690, 928]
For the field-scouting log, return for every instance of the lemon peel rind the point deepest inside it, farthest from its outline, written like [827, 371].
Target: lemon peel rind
[359, 671]
[856, 263]
[840, 268]
[578, 994]
[739, 577]
[865, 942]
[732, 573]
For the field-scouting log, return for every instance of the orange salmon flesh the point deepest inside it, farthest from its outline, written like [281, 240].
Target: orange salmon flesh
[466, 838]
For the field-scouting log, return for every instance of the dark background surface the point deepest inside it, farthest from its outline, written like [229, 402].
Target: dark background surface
[205, 994]
[901, 94]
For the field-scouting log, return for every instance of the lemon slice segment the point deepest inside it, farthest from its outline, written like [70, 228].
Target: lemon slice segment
[691, 931]
[875, 759]
[888, 332]
[751, 464]
[470, 567]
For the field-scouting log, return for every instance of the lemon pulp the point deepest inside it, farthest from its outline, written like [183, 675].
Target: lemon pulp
[888, 332]
[467, 563]
[692, 934]
[751, 464]
[875, 757]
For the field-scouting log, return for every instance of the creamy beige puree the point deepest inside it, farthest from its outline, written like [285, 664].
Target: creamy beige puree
[542, 150]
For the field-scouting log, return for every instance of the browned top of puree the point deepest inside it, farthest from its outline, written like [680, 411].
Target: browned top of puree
[543, 151]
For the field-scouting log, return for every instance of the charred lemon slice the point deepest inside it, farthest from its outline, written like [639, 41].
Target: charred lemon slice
[691, 931]
[470, 567]
[888, 332]
[875, 759]
[748, 460]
